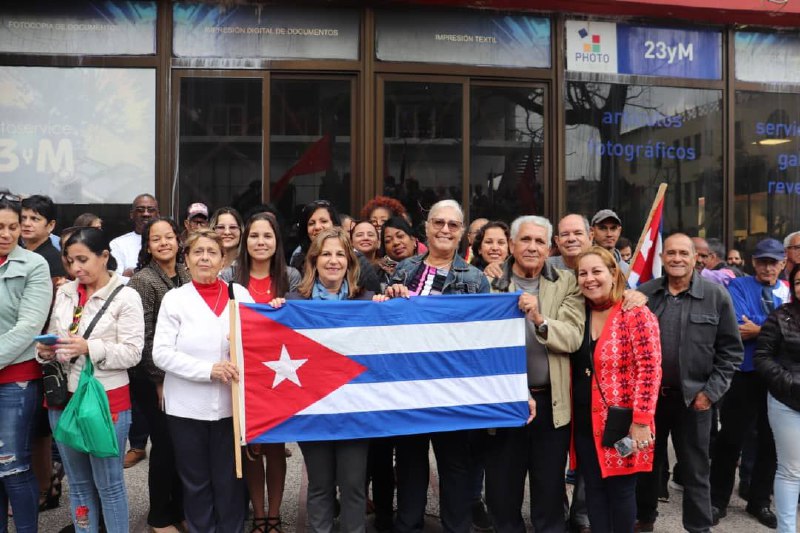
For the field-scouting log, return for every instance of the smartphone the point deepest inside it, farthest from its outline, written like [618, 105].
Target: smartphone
[624, 446]
[48, 339]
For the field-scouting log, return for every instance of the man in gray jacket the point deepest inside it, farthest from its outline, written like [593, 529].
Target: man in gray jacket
[701, 348]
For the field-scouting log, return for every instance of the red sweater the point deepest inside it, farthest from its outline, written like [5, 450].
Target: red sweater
[627, 361]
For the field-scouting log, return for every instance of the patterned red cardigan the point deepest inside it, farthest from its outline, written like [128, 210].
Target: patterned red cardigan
[627, 360]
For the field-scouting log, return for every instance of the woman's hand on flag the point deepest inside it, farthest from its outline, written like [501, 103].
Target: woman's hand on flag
[398, 290]
[277, 303]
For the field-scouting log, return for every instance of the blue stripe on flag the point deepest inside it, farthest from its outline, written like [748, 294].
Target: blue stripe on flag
[437, 365]
[400, 422]
[313, 314]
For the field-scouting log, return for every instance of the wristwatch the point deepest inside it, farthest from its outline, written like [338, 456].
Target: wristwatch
[542, 328]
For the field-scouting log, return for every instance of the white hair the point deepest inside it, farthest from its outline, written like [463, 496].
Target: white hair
[531, 219]
[441, 204]
[788, 240]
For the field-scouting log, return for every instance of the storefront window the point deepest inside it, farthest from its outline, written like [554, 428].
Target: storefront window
[767, 171]
[309, 144]
[83, 136]
[422, 144]
[622, 141]
[219, 155]
[506, 152]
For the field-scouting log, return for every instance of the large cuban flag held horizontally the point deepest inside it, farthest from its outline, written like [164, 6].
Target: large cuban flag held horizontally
[325, 370]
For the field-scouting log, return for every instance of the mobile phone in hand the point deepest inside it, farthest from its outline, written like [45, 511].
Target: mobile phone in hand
[49, 339]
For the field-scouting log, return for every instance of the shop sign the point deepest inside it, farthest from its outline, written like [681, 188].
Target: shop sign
[611, 48]
[262, 31]
[767, 57]
[464, 38]
[84, 27]
[79, 135]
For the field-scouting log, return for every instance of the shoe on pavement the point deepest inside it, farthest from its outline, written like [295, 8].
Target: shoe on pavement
[764, 515]
[644, 527]
[134, 457]
[480, 518]
[717, 514]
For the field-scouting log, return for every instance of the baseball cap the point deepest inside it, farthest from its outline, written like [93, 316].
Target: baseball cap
[769, 248]
[197, 209]
[604, 214]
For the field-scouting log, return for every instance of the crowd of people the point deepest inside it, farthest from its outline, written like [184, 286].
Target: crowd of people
[705, 354]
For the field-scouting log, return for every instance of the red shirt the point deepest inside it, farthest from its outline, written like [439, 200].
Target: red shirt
[3, 259]
[214, 294]
[260, 289]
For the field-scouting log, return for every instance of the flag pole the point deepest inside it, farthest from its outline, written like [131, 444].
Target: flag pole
[662, 190]
[237, 434]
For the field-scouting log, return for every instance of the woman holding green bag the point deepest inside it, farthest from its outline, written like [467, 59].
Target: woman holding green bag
[97, 302]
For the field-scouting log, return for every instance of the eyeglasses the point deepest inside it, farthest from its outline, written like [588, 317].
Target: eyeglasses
[222, 228]
[10, 197]
[439, 223]
[793, 247]
[146, 209]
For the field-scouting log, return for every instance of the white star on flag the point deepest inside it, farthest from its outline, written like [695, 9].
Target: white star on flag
[645, 251]
[285, 368]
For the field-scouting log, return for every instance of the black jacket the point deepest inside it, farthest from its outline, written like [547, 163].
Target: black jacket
[711, 348]
[777, 356]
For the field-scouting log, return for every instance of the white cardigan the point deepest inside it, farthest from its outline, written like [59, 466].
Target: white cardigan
[118, 338]
[189, 340]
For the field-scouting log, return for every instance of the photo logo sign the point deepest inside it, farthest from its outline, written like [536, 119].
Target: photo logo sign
[592, 46]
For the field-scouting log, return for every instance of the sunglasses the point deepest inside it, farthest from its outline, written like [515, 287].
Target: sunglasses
[439, 223]
[10, 197]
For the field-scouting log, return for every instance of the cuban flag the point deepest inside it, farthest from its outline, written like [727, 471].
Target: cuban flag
[328, 370]
[647, 263]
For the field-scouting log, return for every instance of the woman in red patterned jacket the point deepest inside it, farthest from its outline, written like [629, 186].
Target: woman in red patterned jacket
[618, 365]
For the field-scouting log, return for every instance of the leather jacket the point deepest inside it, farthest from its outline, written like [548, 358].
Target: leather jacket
[777, 356]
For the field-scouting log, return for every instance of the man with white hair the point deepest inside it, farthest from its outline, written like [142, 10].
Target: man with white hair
[555, 318]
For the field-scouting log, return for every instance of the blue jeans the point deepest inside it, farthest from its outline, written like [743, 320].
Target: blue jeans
[96, 482]
[18, 405]
[785, 423]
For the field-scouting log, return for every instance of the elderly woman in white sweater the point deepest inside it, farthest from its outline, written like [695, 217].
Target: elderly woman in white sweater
[191, 346]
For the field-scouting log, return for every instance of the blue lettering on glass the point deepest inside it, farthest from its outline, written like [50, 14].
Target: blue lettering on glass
[784, 187]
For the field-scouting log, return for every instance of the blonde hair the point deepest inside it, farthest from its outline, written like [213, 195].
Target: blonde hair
[207, 233]
[315, 250]
[617, 277]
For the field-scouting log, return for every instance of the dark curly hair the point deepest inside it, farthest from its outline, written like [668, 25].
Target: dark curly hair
[477, 260]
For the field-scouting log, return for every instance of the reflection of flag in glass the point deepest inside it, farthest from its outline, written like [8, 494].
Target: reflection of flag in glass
[355, 369]
[646, 264]
[317, 158]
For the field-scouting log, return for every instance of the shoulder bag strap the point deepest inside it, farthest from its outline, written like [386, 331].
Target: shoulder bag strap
[99, 314]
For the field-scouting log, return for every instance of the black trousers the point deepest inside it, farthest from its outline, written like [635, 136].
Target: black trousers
[163, 482]
[380, 471]
[213, 498]
[453, 461]
[691, 430]
[611, 502]
[745, 406]
[539, 450]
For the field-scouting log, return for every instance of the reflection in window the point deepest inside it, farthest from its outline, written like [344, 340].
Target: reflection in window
[506, 152]
[309, 144]
[422, 144]
[219, 157]
[767, 170]
[622, 141]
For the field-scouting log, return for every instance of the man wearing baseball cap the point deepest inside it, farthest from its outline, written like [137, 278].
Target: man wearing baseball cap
[607, 228]
[745, 405]
[196, 217]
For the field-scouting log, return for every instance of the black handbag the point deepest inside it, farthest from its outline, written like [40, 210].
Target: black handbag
[618, 423]
[54, 376]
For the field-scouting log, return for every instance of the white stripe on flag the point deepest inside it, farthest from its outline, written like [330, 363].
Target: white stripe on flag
[389, 396]
[415, 338]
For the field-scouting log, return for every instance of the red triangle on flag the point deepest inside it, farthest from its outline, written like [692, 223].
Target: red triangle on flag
[269, 401]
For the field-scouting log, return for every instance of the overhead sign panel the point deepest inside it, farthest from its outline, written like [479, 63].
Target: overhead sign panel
[611, 48]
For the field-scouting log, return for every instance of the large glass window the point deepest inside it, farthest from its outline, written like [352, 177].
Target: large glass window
[310, 143]
[220, 154]
[622, 141]
[767, 171]
[506, 152]
[423, 139]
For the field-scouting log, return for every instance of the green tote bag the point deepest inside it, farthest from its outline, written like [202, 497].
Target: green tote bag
[86, 424]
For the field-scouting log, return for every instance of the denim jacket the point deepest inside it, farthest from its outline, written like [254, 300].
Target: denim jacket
[462, 278]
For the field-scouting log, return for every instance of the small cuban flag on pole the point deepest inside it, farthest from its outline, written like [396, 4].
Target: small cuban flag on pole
[646, 261]
[329, 370]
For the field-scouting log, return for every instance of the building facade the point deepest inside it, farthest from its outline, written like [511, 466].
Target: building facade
[510, 107]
